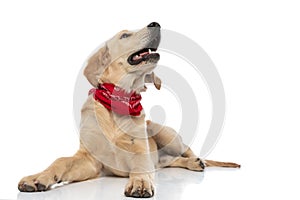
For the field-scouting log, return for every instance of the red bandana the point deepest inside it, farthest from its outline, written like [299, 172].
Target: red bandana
[117, 100]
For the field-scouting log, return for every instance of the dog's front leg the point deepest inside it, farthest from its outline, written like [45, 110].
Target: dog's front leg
[81, 166]
[141, 165]
[140, 185]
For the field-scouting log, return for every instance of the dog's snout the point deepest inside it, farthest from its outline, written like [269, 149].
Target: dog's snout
[154, 24]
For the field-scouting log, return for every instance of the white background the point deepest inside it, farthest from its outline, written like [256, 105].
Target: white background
[254, 44]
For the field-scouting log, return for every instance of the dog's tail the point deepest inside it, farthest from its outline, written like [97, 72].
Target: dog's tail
[211, 163]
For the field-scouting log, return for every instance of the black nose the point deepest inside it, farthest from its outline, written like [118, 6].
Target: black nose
[154, 24]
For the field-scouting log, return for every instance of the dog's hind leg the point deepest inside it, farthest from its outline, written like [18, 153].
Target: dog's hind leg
[189, 153]
[81, 166]
[174, 153]
[167, 139]
[191, 163]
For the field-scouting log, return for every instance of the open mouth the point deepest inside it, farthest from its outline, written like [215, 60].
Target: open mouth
[146, 54]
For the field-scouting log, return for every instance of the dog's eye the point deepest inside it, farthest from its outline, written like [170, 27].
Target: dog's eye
[125, 35]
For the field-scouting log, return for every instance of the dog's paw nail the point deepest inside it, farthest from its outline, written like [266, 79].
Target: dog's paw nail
[127, 194]
[21, 187]
[41, 187]
[147, 194]
[27, 188]
[136, 194]
[202, 164]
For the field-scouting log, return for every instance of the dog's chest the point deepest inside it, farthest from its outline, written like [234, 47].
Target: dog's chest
[115, 127]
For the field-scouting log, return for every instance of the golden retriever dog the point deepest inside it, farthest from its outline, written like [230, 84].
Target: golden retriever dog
[115, 138]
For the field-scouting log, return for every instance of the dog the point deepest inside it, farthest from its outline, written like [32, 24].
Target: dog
[115, 138]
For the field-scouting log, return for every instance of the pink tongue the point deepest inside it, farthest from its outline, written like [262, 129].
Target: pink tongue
[144, 53]
[140, 55]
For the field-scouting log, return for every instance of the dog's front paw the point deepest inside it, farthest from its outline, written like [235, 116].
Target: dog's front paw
[139, 187]
[29, 184]
[36, 183]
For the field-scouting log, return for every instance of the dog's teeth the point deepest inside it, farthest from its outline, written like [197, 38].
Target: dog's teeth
[149, 50]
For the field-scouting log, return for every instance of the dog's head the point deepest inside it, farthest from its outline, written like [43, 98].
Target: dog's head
[127, 60]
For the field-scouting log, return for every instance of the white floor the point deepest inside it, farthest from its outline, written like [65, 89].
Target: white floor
[171, 183]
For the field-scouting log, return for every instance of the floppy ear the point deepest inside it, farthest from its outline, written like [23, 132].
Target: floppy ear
[152, 78]
[96, 65]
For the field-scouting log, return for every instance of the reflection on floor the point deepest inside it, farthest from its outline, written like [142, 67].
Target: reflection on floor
[170, 184]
